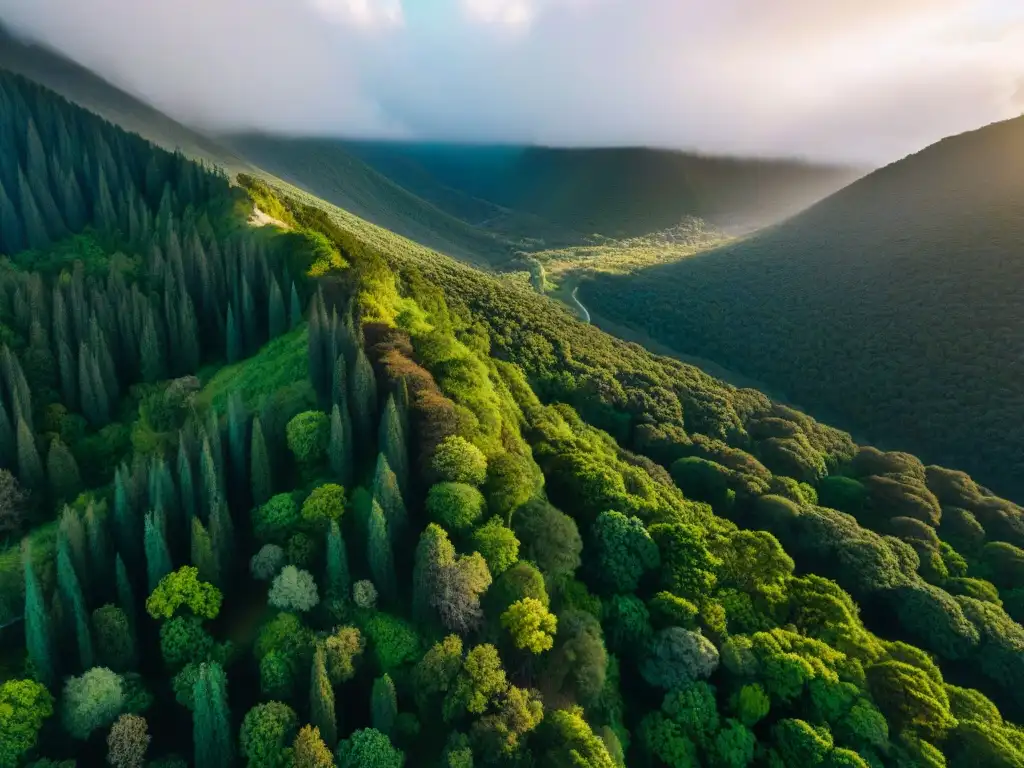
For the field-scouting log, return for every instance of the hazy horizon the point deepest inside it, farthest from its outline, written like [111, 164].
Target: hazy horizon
[860, 83]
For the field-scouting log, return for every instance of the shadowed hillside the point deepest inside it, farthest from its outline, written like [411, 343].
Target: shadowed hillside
[893, 305]
[615, 192]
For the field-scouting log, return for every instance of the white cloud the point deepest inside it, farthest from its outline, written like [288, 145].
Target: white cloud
[864, 80]
[365, 13]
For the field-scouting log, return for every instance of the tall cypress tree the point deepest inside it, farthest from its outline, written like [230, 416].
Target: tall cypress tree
[154, 363]
[234, 337]
[62, 469]
[392, 442]
[322, 713]
[68, 375]
[295, 309]
[276, 320]
[211, 719]
[186, 483]
[222, 535]
[339, 448]
[384, 705]
[17, 385]
[127, 531]
[202, 554]
[8, 440]
[251, 340]
[237, 434]
[99, 551]
[315, 349]
[210, 477]
[72, 531]
[158, 556]
[337, 581]
[379, 554]
[12, 234]
[339, 383]
[38, 632]
[31, 218]
[30, 468]
[387, 492]
[260, 469]
[189, 354]
[74, 604]
[125, 593]
[363, 397]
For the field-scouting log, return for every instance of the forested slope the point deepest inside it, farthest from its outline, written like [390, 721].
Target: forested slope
[326, 497]
[891, 306]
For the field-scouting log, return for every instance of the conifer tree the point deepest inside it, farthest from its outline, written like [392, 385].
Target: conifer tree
[338, 582]
[251, 339]
[392, 441]
[188, 355]
[12, 234]
[386, 491]
[234, 337]
[68, 370]
[8, 440]
[237, 429]
[316, 343]
[276, 319]
[339, 449]
[31, 218]
[17, 385]
[212, 732]
[339, 384]
[210, 477]
[434, 553]
[38, 632]
[321, 700]
[154, 365]
[260, 469]
[384, 705]
[363, 397]
[72, 531]
[127, 533]
[222, 536]
[125, 594]
[30, 468]
[379, 553]
[162, 497]
[186, 484]
[99, 550]
[203, 556]
[158, 557]
[74, 604]
[62, 470]
[295, 309]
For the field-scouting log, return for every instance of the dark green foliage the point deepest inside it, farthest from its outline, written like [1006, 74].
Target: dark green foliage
[456, 506]
[337, 581]
[379, 554]
[30, 467]
[340, 446]
[114, 639]
[73, 601]
[549, 538]
[384, 705]
[369, 747]
[363, 397]
[308, 435]
[623, 551]
[211, 719]
[260, 469]
[158, 557]
[321, 699]
[266, 735]
[276, 519]
[62, 472]
[388, 493]
[392, 441]
[39, 635]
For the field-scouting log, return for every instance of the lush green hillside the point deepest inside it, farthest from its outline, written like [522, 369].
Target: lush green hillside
[87, 89]
[612, 192]
[892, 306]
[326, 497]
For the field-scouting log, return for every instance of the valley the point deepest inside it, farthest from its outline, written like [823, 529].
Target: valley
[319, 453]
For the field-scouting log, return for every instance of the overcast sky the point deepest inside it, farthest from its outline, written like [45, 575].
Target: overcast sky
[855, 80]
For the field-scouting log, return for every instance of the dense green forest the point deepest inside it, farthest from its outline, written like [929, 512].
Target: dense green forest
[322, 497]
[891, 307]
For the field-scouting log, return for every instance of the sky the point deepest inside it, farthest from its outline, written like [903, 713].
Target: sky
[863, 81]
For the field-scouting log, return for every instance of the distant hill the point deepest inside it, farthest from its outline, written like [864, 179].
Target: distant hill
[623, 192]
[87, 89]
[892, 307]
